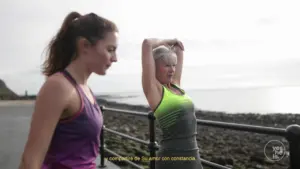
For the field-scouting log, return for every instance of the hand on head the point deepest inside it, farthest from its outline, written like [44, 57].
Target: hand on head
[174, 44]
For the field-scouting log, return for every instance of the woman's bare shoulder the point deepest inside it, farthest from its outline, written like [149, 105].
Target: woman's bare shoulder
[56, 86]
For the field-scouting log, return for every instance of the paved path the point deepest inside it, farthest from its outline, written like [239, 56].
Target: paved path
[14, 126]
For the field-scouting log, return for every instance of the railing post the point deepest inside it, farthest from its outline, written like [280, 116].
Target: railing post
[152, 144]
[102, 159]
[293, 137]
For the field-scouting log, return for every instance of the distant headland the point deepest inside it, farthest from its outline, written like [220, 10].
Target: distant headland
[7, 94]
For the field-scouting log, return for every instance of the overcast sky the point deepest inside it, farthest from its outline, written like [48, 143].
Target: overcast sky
[233, 43]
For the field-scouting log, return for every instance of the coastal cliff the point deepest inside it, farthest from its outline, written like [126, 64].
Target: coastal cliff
[6, 93]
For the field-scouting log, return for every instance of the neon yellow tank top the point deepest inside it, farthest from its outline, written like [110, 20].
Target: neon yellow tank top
[172, 107]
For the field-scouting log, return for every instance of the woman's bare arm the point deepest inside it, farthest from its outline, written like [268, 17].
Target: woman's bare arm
[151, 87]
[50, 103]
[178, 49]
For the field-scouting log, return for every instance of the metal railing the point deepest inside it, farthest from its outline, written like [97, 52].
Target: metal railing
[291, 133]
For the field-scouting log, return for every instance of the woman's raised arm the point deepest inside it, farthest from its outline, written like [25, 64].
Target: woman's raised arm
[151, 87]
[178, 49]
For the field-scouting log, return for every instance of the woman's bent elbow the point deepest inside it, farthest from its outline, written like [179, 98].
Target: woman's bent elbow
[147, 43]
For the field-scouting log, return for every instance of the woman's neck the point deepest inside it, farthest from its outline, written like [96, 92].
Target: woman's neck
[79, 72]
[168, 85]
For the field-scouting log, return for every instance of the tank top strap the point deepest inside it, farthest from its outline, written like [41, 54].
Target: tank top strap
[79, 89]
[167, 91]
[178, 87]
[73, 81]
[93, 94]
[95, 100]
[69, 76]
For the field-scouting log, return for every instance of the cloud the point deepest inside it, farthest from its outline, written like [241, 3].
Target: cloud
[221, 39]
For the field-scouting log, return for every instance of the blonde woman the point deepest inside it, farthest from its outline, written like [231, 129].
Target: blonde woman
[174, 110]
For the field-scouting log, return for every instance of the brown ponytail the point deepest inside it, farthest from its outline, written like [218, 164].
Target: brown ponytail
[62, 48]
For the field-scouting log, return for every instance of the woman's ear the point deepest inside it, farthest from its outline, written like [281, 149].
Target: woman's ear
[83, 45]
[86, 43]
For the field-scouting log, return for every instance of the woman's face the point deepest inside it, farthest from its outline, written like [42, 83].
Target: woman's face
[103, 54]
[165, 68]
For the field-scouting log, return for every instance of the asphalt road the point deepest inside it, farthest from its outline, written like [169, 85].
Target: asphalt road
[14, 126]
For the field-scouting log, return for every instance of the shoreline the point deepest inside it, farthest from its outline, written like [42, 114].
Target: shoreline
[16, 102]
[281, 120]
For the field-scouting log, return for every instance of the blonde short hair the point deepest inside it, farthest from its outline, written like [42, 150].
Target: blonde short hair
[166, 54]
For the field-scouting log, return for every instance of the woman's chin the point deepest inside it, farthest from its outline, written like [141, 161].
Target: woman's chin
[100, 72]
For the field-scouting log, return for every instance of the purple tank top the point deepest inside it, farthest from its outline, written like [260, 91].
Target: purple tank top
[76, 140]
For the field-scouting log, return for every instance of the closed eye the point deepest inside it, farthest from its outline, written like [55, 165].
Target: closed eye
[112, 48]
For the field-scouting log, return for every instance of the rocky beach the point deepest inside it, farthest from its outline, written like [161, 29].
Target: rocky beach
[235, 149]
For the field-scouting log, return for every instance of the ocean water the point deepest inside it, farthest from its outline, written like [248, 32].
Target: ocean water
[252, 100]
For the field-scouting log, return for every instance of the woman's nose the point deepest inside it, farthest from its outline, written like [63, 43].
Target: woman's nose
[172, 69]
[114, 58]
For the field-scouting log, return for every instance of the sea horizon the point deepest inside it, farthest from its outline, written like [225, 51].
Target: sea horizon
[262, 100]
